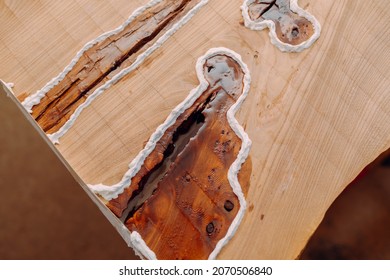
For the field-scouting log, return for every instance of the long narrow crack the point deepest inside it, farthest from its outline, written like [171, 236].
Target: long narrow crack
[181, 137]
[258, 8]
[116, 65]
[182, 194]
[104, 60]
[181, 201]
[172, 136]
[270, 5]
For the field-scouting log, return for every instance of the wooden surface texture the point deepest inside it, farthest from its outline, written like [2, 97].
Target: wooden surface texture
[315, 118]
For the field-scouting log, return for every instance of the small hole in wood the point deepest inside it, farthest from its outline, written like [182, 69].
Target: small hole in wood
[228, 205]
[210, 228]
[295, 32]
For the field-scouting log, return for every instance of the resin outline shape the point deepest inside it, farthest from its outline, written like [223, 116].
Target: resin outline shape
[35, 99]
[110, 192]
[284, 47]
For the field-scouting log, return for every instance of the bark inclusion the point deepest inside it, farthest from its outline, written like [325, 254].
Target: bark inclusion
[105, 59]
[181, 201]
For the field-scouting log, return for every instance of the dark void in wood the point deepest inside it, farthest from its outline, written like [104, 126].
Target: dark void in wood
[290, 27]
[181, 201]
[105, 59]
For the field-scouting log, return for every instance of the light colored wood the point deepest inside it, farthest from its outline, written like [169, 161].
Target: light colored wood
[315, 118]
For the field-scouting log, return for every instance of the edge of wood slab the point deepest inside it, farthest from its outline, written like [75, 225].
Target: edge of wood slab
[339, 54]
[107, 213]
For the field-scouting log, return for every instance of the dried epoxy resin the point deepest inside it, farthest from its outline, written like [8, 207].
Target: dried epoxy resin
[36, 98]
[227, 205]
[292, 29]
[104, 60]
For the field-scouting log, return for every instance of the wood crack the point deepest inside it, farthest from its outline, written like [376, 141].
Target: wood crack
[266, 8]
[104, 60]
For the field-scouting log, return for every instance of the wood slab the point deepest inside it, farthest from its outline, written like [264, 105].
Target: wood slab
[315, 118]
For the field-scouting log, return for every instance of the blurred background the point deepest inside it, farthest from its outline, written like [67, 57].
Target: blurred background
[45, 214]
[357, 225]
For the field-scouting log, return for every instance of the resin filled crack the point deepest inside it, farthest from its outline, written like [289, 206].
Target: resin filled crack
[167, 148]
[105, 59]
[181, 201]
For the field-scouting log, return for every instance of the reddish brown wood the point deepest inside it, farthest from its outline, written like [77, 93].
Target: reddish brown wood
[193, 204]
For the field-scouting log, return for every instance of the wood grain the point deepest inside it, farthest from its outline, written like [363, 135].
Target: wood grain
[104, 60]
[315, 118]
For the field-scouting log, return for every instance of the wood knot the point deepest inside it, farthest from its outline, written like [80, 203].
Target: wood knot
[210, 228]
[228, 205]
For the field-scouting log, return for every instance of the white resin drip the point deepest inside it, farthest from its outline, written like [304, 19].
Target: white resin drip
[260, 25]
[110, 192]
[36, 98]
[140, 59]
